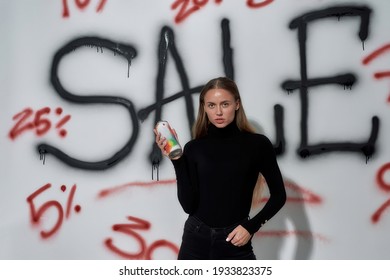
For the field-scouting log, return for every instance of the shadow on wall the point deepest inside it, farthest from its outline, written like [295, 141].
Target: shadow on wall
[289, 226]
[288, 235]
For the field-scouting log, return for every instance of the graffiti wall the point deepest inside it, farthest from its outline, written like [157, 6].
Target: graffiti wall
[84, 81]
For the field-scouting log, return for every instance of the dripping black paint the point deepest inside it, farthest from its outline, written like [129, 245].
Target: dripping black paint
[167, 47]
[123, 50]
[347, 80]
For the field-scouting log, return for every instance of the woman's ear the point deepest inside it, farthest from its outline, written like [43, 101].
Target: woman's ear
[237, 104]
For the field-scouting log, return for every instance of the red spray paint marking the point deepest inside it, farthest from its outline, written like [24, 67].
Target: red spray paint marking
[161, 244]
[380, 75]
[307, 197]
[374, 55]
[253, 4]
[113, 190]
[69, 203]
[188, 7]
[285, 233]
[38, 121]
[303, 195]
[42, 125]
[380, 177]
[38, 213]
[144, 251]
[379, 212]
[81, 4]
[21, 123]
[62, 122]
[384, 186]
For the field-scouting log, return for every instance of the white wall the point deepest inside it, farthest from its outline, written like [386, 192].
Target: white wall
[332, 196]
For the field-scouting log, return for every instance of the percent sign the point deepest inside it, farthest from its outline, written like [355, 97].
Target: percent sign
[37, 213]
[61, 122]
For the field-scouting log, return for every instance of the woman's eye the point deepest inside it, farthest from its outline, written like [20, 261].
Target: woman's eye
[211, 106]
[225, 105]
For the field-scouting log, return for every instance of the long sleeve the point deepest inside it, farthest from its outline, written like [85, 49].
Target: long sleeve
[217, 173]
[271, 172]
[187, 189]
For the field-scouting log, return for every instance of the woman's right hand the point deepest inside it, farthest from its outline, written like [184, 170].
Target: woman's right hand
[162, 143]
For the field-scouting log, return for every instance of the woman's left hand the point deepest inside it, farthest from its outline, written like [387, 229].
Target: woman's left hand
[239, 236]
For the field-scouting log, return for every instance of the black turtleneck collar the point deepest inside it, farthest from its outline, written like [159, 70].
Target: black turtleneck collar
[228, 131]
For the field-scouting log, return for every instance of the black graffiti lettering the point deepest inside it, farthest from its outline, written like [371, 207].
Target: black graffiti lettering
[348, 79]
[162, 58]
[280, 142]
[125, 51]
[227, 56]
[167, 45]
[167, 48]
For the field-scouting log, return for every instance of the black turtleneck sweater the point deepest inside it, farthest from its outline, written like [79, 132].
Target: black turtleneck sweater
[217, 173]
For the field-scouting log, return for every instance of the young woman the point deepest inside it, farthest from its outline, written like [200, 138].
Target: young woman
[216, 176]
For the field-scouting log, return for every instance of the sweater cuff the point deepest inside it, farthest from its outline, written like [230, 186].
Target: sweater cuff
[252, 227]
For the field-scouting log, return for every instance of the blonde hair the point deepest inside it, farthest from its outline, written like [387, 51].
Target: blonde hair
[258, 191]
[200, 127]
[201, 124]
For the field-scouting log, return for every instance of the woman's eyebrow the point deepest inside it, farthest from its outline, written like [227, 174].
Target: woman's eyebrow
[223, 101]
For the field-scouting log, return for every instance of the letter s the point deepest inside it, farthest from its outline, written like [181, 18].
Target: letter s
[123, 50]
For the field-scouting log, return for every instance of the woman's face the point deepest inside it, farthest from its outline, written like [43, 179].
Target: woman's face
[220, 107]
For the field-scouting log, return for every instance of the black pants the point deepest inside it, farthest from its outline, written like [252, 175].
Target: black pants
[201, 242]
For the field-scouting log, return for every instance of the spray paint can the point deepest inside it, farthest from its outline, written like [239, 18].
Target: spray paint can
[172, 147]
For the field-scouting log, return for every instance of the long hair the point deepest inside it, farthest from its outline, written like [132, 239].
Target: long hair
[200, 127]
[202, 122]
